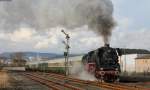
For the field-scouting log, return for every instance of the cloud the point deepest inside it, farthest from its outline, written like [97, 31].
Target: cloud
[79, 39]
[125, 22]
[2, 36]
[132, 39]
[49, 39]
[22, 34]
[21, 19]
[42, 44]
[44, 14]
[47, 42]
[82, 40]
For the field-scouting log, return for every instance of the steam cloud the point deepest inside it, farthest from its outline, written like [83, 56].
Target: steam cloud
[44, 14]
[77, 71]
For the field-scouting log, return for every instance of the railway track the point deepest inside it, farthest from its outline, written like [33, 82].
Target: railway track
[51, 84]
[101, 85]
[114, 86]
[73, 82]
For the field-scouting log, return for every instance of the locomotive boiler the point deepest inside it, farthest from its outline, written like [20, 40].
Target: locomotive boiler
[104, 62]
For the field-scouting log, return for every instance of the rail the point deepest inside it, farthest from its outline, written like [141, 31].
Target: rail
[111, 86]
[52, 84]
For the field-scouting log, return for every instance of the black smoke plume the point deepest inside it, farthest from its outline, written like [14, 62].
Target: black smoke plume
[44, 14]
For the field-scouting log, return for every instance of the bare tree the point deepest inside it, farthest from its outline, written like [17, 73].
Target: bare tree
[18, 60]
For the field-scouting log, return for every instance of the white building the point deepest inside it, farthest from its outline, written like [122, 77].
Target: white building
[127, 62]
[142, 64]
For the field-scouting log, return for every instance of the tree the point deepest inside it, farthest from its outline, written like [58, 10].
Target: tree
[18, 60]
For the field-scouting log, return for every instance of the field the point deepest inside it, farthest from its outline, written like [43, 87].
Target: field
[15, 81]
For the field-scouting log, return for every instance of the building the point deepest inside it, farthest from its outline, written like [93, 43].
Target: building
[142, 64]
[127, 62]
[57, 62]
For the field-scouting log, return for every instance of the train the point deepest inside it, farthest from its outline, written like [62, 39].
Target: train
[56, 65]
[104, 62]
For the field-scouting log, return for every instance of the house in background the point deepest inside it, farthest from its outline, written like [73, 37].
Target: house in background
[142, 64]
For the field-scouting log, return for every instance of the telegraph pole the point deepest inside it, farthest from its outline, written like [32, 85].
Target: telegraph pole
[66, 53]
[125, 62]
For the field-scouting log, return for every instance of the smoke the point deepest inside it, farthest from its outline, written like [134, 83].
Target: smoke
[104, 27]
[45, 14]
[77, 70]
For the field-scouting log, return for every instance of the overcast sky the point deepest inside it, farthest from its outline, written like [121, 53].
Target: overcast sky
[132, 29]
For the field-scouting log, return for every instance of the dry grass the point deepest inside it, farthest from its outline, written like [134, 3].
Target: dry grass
[4, 79]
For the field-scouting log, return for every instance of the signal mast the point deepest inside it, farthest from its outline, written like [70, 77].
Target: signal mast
[66, 53]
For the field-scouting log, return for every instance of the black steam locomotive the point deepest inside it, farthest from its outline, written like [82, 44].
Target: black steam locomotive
[104, 62]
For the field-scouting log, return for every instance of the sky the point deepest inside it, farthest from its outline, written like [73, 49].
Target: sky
[21, 21]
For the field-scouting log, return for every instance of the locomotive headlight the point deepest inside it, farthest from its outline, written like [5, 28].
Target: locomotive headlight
[101, 69]
[116, 69]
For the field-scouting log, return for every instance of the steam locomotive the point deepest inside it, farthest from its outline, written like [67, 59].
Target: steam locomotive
[104, 62]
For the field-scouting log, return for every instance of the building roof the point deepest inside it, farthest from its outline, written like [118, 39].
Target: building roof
[147, 56]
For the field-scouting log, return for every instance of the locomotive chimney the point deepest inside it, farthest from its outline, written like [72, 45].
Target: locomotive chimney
[107, 45]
